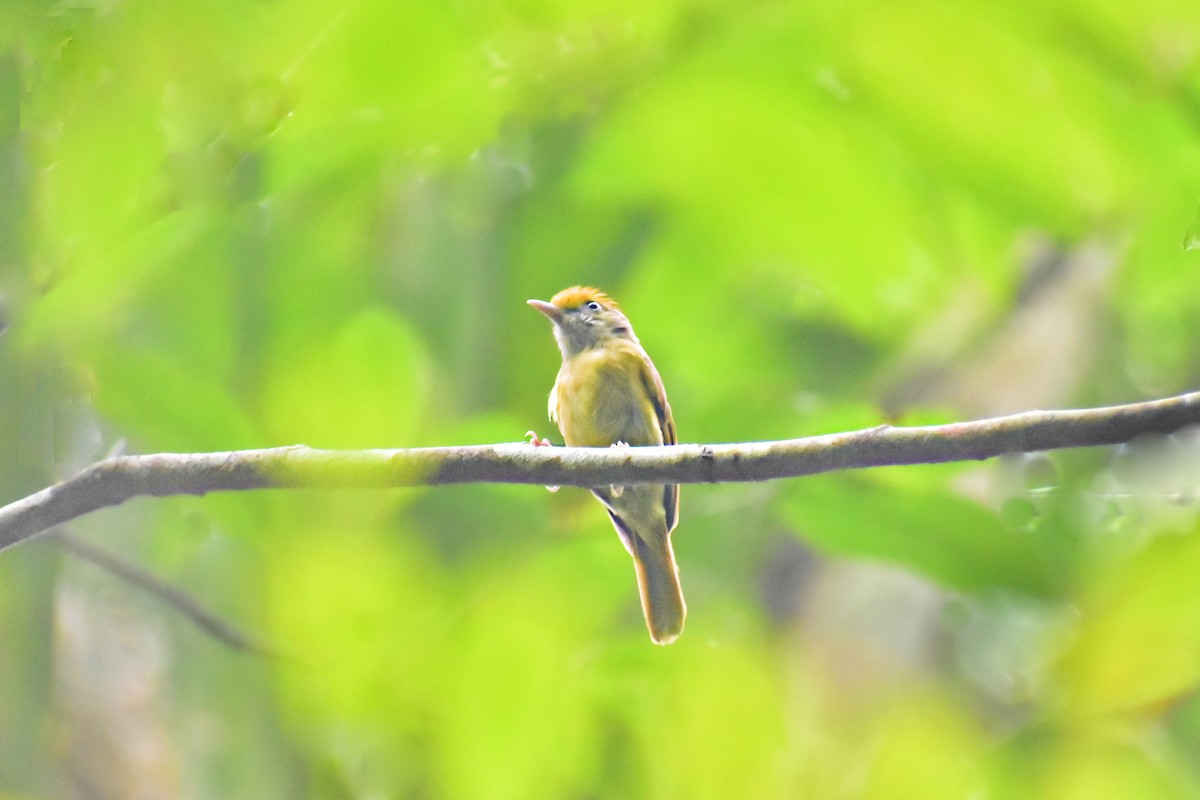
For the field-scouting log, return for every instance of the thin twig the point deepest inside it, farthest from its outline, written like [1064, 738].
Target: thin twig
[115, 480]
[176, 598]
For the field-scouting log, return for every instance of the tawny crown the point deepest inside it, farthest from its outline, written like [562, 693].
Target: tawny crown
[576, 296]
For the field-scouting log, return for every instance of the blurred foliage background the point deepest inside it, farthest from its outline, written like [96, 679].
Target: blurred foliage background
[246, 223]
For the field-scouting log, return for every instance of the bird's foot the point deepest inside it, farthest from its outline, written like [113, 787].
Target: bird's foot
[538, 441]
[532, 438]
[617, 491]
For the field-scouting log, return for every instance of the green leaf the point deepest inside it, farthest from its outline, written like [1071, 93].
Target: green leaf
[366, 387]
[1139, 635]
[953, 541]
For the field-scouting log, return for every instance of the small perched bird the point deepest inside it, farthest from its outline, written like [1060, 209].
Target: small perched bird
[609, 393]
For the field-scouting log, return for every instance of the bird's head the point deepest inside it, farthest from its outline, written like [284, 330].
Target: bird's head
[584, 318]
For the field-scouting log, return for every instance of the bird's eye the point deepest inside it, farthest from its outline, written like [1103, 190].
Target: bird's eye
[594, 306]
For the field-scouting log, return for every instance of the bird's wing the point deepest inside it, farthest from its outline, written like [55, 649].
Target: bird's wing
[653, 385]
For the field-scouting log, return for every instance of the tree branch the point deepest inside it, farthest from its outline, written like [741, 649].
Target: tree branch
[176, 598]
[115, 480]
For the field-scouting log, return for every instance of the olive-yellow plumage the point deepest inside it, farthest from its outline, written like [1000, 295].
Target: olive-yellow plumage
[609, 393]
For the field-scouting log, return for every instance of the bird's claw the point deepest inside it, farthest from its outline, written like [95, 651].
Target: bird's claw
[617, 491]
[538, 441]
[532, 438]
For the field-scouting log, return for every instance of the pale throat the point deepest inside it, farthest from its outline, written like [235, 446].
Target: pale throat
[574, 339]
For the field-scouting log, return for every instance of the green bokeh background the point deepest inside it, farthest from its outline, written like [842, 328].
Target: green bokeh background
[243, 224]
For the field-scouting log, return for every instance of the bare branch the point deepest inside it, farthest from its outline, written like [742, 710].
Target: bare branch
[176, 598]
[115, 480]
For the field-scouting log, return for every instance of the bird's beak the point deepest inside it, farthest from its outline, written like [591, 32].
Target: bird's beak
[549, 309]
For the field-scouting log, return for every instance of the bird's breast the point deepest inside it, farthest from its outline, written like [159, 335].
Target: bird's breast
[602, 399]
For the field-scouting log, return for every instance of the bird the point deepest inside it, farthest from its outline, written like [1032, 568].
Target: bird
[609, 393]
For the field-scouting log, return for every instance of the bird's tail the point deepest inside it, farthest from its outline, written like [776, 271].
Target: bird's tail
[658, 583]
